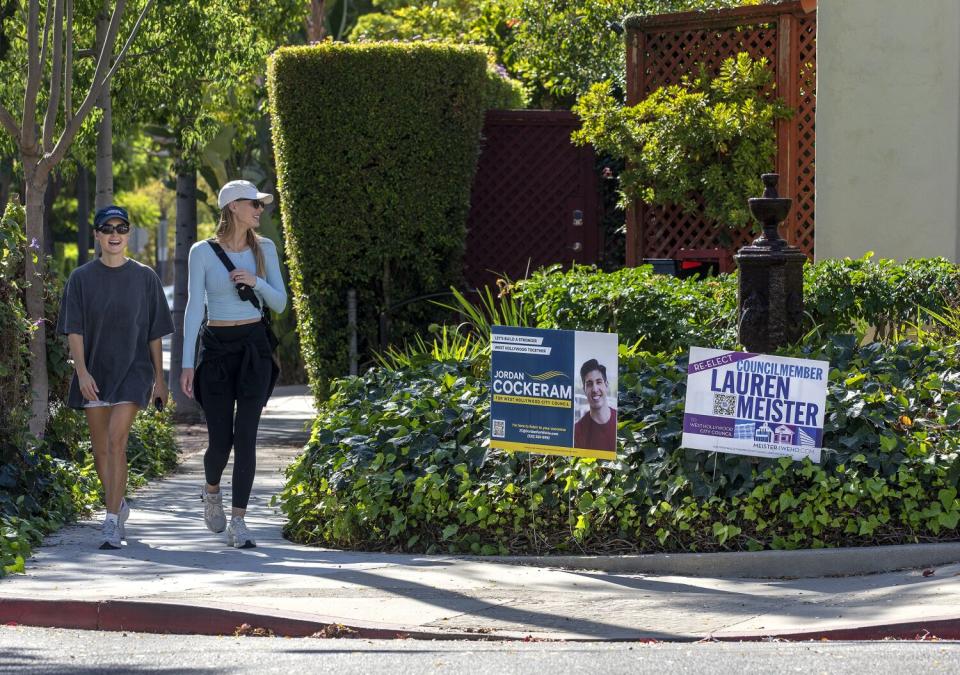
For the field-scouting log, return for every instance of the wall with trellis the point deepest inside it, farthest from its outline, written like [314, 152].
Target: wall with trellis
[661, 50]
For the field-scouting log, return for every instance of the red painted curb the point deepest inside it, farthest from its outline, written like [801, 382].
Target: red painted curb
[49, 613]
[942, 628]
[162, 617]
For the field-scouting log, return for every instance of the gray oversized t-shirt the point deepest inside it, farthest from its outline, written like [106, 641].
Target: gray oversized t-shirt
[118, 311]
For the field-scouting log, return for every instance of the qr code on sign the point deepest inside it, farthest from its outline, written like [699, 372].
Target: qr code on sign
[724, 405]
[499, 428]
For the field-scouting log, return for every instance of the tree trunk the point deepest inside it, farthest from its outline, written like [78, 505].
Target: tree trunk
[83, 215]
[49, 196]
[316, 21]
[104, 155]
[6, 179]
[36, 187]
[163, 256]
[187, 408]
[104, 168]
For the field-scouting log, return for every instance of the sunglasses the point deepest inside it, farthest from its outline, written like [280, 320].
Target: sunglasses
[256, 203]
[122, 228]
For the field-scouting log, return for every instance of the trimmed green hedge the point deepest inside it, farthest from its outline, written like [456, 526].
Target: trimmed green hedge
[376, 147]
[399, 461]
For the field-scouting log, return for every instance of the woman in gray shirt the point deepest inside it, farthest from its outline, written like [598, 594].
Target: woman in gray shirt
[114, 313]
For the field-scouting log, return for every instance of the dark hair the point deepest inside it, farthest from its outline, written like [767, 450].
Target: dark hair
[590, 365]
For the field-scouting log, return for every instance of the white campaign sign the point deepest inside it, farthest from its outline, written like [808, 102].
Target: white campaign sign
[754, 404]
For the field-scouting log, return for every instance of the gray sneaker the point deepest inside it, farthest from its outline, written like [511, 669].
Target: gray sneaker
[111, 535]
[213, 511]
[122, 517]
[238, 535]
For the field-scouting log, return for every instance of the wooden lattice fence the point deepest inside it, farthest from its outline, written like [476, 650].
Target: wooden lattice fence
[662, 49]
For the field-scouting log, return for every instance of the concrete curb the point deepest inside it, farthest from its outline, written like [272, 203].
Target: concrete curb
[179, 619]
[805, 563]
[163, 617]
[942, 628]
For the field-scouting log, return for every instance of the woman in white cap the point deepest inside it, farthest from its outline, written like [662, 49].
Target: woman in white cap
[114, 314]
[237, 276]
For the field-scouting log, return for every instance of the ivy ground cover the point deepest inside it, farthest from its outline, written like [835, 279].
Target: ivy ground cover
[399, 461]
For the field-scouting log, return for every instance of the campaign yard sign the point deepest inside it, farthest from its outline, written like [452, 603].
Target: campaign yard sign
[754, 404]
[554, 392]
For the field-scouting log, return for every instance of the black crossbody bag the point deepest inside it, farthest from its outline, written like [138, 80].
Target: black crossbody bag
[247, 293]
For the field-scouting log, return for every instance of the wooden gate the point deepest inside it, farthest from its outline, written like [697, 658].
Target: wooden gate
[534, 200]
[662, 49]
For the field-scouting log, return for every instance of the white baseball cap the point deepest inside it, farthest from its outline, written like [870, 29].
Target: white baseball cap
[241, 189]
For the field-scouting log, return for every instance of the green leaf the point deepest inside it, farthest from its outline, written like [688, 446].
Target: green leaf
[949, 519]
[947, 497]
[952, 416]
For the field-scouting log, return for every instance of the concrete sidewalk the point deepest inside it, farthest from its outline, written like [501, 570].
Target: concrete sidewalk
[175, 576]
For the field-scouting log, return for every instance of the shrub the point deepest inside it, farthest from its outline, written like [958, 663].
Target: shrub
[376, 146]
[502, 92]
[840, 296]
[14, 324]
[152, 447]
[708, 138]
[399, 460]
[662, 311]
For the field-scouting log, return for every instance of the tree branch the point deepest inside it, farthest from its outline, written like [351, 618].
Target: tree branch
[126, 45]
[46, 34]
[9, 123]
[93, 93]
[53, 105]
[68, 70]
[100, 80]
[28, 132]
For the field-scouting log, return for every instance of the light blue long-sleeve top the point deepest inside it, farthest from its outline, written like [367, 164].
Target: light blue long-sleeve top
[210, 285]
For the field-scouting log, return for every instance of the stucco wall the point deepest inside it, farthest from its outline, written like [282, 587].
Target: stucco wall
[888, 128]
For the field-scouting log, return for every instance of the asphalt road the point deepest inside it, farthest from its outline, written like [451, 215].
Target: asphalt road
[40, 650]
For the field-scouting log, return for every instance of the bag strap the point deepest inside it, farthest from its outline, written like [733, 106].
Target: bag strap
[225, 259]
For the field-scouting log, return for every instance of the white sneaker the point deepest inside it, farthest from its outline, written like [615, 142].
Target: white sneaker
[213, 510]
[238, 535]
[111, 534]
[122, 517]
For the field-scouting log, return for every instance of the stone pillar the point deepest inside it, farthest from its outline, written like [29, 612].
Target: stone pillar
[770, 294]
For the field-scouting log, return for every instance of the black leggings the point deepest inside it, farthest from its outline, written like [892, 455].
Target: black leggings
[232, 411]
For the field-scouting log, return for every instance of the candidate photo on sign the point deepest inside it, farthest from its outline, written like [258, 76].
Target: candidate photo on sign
[596, 426]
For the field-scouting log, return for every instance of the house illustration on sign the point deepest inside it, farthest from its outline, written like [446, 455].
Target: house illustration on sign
[783, 434]
[763, 433]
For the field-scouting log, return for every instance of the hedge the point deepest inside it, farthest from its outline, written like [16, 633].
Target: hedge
[376, 147]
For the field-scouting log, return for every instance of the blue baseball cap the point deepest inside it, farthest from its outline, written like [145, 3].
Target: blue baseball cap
[108, 212]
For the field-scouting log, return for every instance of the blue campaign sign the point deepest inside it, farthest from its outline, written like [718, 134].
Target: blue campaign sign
[554, 392]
